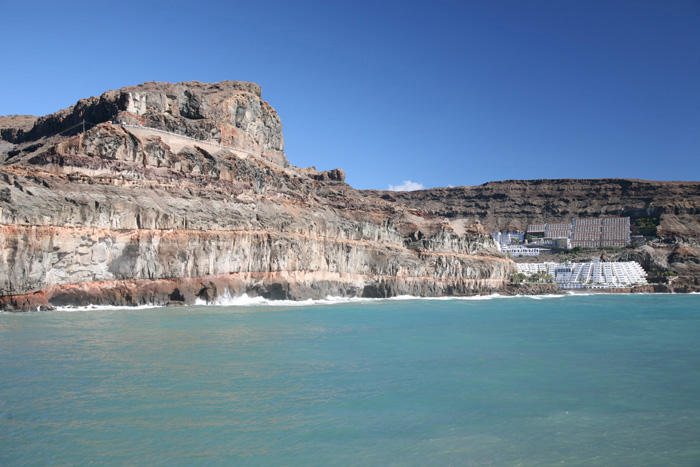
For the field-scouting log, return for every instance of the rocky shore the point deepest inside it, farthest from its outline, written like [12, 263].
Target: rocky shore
[180, 192]
[172, 193]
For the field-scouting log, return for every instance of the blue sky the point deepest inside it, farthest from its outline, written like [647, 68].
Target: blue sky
[437, 93]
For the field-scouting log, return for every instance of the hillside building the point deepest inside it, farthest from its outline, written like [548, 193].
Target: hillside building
[592, 275]
[557, 230]
[508, 238]
[519, 250]
[589, 233]
[595, 233]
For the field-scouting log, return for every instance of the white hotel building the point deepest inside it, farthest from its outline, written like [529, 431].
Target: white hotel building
[511, 243]
[591, 275]
[507, 238]
[519, 250]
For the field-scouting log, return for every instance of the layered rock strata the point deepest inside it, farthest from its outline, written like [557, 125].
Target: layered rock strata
[514, 204]
[672, 246]
[230, 113]
[178, 193]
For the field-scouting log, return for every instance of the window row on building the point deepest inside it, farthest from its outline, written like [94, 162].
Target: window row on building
[518, 250]
[591, 233]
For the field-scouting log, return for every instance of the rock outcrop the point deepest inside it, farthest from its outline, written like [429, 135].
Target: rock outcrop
[230, 113]
[179, 192]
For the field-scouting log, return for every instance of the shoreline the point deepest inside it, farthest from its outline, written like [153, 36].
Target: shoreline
[246, 301]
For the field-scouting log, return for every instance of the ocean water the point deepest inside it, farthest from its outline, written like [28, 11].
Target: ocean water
[528, 381]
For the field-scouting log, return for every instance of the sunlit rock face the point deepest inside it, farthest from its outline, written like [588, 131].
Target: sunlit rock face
[672, 208]
[175, 193]
[230, 113]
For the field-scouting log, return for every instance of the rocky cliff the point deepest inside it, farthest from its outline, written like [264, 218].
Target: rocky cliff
[169, 193]
[512, 205]
[667, 213]
[230, 113]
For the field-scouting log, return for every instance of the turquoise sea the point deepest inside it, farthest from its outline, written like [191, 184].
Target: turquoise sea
[530, 381]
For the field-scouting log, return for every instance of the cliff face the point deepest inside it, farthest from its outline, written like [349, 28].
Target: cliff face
[230, 113]
[178, 192]
[512, 205]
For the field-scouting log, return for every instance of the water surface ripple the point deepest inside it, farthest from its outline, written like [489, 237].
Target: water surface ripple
[576, 380]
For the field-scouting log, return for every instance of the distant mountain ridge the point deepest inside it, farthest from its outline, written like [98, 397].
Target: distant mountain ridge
[513, 204]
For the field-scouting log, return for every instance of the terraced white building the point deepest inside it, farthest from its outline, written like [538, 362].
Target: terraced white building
[591, 275]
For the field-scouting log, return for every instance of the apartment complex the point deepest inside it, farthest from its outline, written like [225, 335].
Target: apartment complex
[593, 233]
[590, 233]
[591, 275]
[557, 230]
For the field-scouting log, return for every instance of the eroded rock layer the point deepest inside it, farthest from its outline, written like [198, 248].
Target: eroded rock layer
[171, 193]
[667, 214]
[512, 205]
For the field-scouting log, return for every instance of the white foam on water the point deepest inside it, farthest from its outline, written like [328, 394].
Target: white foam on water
[544, 296]
[580, 294]
[247, 301]
[244, 300]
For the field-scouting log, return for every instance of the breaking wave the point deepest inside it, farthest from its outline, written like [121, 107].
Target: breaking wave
[244, 300]
[543, 297]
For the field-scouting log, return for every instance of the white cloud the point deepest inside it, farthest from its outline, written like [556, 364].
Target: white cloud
[407, 185]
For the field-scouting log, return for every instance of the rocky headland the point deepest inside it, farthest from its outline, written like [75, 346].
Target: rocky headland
[172, 193]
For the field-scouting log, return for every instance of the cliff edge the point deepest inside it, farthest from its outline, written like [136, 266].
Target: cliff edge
[172, 193]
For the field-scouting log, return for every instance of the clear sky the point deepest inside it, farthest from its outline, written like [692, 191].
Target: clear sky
[437, 93]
